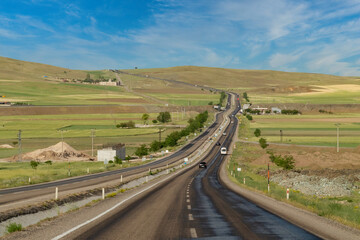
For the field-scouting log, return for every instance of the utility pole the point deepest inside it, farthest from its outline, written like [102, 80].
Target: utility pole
[337, 136]
[62, 143]
[159, 134]
[20, 150]
[281, 135]
[92, 142]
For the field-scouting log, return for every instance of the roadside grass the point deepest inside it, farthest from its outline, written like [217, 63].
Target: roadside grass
[188, 99]
[343, 209]
[18, 173]
[13, 227]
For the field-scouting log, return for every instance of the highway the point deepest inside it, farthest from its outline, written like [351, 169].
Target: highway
[195, 204]
[13, 195]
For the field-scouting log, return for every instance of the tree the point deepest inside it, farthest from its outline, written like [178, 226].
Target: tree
[155, 121]
[145, 118]
[263, 144]
[249, 117]
[155, 146]
[245, 96]
[257, 132]
[172, 138]
[88, 78]
[141, 151]
[164, 117]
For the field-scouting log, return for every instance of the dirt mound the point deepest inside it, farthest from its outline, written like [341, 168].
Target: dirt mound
[59, 151]
[6, 146]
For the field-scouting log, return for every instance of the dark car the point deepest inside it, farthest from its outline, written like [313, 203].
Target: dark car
[202, 165]
[218, 144]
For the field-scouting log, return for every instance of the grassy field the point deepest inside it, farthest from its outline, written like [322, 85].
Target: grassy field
[40, 131]
[330, 207]
[18, 174]
[308, 129]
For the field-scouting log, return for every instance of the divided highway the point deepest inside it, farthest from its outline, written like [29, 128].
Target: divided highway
[13, 195]
[195, 204]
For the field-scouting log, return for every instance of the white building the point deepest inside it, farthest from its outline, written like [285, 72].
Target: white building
[109, 153]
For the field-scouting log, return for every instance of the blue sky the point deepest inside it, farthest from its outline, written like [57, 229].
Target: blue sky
[320, 36]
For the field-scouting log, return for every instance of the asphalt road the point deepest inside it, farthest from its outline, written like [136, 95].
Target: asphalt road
[13, 195]
[195, 204]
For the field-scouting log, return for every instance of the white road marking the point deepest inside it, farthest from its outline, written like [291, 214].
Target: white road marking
[191, 217]
[187, 200]
[112, 208]
[193, 233]
[189, 207]
[187, 195]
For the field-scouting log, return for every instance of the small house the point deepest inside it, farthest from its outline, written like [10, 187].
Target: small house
[109, 153]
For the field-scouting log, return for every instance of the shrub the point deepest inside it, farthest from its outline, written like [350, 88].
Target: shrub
[164, 117]
[257, 132]
[48, 162]
[129, 124]
[286, 162]
[249, 117]
[155, 121]
[141, 151]
[13, 227]
[155, 146]
[210, 103]
[263, 144]
[111, 161]
[117, 160]
[290, 112]
[34, 164]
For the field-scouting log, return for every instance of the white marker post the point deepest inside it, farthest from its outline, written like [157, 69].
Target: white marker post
[56, 193]
[103, 193]
[146, 179]
[88, 170]
[29, 180]
[244, 180]
[121, 179]
[287, 194]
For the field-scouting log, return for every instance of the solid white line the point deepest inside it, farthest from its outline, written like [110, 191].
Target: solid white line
[193, 233]
[191, 217]
[189, 207]
[110, 209]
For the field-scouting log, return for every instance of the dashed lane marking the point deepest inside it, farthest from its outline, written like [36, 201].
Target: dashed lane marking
[189, 207]
[193, 233]
[187, 200]
[191, 218]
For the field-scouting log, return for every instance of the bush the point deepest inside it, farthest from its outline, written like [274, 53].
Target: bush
[257, 132]
[249, 117]
[141, 151]
[155, 146]
[128, 158]
[210, 103]
[111, 161]
[290, 112]
[164, 117]
[129, 124]
[117, 160]
[263, 144]
[13, 227]
[48, 162]
[155, 121]
[34, 164]
[286, 162]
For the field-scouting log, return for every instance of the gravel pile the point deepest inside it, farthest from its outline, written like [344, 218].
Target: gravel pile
[314, 185]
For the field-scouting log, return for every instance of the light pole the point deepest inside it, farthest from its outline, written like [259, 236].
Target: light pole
[337, 136]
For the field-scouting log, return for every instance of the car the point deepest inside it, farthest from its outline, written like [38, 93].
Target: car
[224, 133]
[202, 165]
[218, 144]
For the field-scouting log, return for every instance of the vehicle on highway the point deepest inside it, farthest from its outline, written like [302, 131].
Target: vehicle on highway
[224, 133]
[218, 144]
[202, 165]
[223, 151]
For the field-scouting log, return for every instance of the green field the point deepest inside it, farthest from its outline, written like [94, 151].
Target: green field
[18, 174]
[317, 130]
[40, 131]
